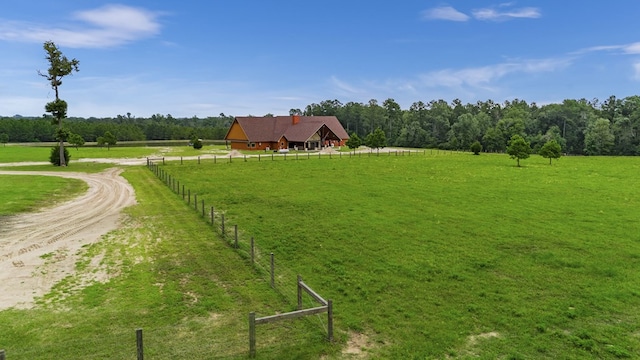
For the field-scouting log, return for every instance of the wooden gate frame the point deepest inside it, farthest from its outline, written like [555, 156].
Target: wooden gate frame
[327, 306]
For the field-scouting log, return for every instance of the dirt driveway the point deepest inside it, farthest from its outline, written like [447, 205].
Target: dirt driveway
[39, 249]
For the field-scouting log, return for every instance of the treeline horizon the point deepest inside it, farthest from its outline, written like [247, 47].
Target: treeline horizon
[581, 127]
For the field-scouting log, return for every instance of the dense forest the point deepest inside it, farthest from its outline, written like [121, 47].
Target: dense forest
[588, 127]
[579, 126]
[124, 127]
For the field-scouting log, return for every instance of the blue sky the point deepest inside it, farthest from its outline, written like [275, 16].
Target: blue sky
[252, 57]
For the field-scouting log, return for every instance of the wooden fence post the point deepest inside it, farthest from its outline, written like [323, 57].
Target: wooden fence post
[299, 292]
[180, 160]
[140, 349]
[163, 161]
[330, 320]
[2, 355]
[252, 334]
[214, 159]
[235, 231]
[198, 160]
[273, 278]
[189, 198]
[212, 215]
[252, 251]
[222, 225]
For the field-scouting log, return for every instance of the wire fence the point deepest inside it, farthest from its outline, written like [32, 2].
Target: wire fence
[282, 279]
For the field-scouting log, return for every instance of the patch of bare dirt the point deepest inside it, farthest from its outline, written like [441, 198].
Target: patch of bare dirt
[469, 348]
[37, 250]
[357, 346]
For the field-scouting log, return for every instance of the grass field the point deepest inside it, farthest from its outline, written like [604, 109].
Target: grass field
[432, 256]
[21, 194]
[454, 255]
[21, 153]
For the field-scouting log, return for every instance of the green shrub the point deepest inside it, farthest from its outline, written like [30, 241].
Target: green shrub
[54, 157]
[476, 147]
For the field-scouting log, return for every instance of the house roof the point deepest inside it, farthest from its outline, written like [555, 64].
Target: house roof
[271, 129]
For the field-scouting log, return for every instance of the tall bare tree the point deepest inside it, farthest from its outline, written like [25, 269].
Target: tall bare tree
[59, 67]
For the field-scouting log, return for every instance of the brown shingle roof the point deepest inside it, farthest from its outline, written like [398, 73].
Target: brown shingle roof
[266, 129]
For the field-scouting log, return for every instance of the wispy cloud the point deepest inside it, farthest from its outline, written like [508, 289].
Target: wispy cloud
[636, 71]
[492, 14]
[501, 12]
[485, 76]
[343, 86]
[444, 13]
[627, 49]
[107, 26]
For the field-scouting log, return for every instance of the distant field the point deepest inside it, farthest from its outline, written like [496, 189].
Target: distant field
[454, 255]
[22, 153]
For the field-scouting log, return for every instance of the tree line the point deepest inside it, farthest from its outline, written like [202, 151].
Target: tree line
[123, 127]
[581, 127]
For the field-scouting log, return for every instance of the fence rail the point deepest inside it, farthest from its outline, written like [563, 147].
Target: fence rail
[327, 306]
[266, 265]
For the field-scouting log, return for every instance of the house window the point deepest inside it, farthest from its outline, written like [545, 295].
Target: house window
[252, 145]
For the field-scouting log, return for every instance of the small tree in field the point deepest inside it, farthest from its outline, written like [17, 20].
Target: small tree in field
[196, 143]
[518, 148]
[476, 147]
[59, 67]
[76, 140]
[107, 139]
[551, 150]
[4, 138]
[354, 141]
[376, 139]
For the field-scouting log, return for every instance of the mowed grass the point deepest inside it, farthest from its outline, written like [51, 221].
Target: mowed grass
[163, 271]
[21, 153]
[450, 256]
[20, 193]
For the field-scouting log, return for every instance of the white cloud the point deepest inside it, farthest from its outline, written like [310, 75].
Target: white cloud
[343, 86]
[484, 76]
[108, 26]
[632, 49]
[444, 13]
[636, 71]
[628, 49]
[489, 14]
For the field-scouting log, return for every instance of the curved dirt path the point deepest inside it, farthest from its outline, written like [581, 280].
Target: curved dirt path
[58, 233]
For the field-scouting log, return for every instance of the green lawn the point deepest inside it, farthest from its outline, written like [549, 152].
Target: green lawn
[21, 153]
[425, 256]
[20, 193]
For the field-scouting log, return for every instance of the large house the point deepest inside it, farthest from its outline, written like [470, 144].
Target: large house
[286, 132]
